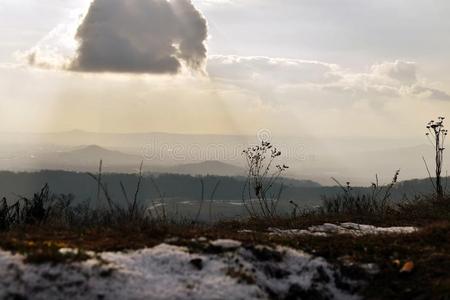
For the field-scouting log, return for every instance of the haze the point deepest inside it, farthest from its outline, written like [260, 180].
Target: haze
[332, 78]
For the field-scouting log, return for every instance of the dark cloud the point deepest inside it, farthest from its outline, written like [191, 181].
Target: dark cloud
[141, 36]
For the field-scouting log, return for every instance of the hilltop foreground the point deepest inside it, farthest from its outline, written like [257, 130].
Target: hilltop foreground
[405, 256]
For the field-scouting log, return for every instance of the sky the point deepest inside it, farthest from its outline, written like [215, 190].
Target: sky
[321, 68]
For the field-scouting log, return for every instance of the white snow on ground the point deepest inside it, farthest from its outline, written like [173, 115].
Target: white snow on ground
[171, 272]
[226, 244]
[344, 228]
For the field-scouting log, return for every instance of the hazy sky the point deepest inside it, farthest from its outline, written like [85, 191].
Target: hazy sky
[295, 67]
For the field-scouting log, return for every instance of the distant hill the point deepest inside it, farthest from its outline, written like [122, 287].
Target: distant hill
[356, 160]
[84, 158]
[88, 157]
[92, 154]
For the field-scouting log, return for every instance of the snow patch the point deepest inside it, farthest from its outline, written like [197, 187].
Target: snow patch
[344, 228]
[171, 272]
[226, 244]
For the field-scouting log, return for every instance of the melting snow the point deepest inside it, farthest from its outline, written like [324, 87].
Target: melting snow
[170, 272]
[344, 228]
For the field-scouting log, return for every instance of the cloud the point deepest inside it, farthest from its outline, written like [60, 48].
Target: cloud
[141, 36]
[267, 75]
[133, 36]
[430, 93]
[56, 50]
[402, 71]
[280, 70]
[388, 80]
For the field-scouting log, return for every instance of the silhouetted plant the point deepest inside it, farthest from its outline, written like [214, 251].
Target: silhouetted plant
[102, 187]
[61, 211]
[376, 202]
[202, 199]
[295, 210]
[132, 212]
[436, 135]
[211, 199]
[43, 208]
[155, 213]
[7, 217]
[261, 178]
[133, 207]
[37, 210]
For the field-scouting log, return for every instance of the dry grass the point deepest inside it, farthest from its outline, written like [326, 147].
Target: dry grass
[428, 249]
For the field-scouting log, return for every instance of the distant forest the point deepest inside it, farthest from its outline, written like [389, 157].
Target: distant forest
[181, 187]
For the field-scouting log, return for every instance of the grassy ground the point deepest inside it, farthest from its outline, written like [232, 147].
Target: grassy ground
[427, 249]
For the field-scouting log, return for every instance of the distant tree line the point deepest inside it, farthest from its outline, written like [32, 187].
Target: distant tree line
[82, 187]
